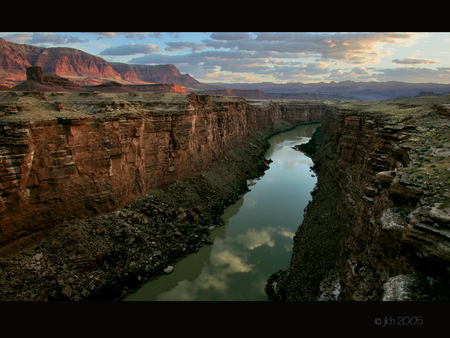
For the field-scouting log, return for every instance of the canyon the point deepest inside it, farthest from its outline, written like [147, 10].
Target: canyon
[89, 180]
[101, 191]
[75, 154]
[378, 226]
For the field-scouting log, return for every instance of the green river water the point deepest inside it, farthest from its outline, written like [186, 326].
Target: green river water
[256, 240]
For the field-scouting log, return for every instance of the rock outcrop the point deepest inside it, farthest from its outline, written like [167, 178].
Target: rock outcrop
[110, 87]
[37, 80]
[155, 74]
[66, 155]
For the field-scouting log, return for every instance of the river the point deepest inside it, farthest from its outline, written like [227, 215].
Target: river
[256, 240]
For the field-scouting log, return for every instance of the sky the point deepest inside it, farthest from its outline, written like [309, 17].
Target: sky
[279, 57]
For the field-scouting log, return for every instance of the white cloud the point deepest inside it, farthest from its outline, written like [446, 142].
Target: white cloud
[350, 47]
[282, 56]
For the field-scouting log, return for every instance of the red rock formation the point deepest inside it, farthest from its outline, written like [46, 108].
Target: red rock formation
[155, 74]
[73, 62]
[86, 69]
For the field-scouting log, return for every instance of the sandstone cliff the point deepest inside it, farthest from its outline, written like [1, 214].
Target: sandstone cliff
[155, 74]
[66, 155]
[378, 225]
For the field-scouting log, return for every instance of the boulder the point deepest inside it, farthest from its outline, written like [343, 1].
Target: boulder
[168, 270]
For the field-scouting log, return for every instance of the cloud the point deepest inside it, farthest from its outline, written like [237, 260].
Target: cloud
[128, 35]
[18, 37]
[230, 36]
[54, 39]
[75, 39]
[161, 58]
[284, 56]
[299, 70]
[142, 36]
[286, 233]
[230, 262]
[413, 61]
[221, 77]
[131, 49]
[359, 71]
[107, 35]
[184, 45]
[351, 47]
[38, 38]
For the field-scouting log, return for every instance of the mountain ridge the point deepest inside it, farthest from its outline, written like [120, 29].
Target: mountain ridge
[83, 68]
[350, 89]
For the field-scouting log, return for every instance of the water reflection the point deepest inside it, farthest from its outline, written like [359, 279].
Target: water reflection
[254, 238]
[224, 261]
[257, 239]
[228, 257]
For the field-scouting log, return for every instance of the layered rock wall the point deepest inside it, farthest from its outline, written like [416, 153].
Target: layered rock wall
[79, 162]
[374, 230]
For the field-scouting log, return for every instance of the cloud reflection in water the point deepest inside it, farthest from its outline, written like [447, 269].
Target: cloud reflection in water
[226, 259]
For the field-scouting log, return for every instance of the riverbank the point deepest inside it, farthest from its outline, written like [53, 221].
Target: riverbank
[106, 256]
[318, 240]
